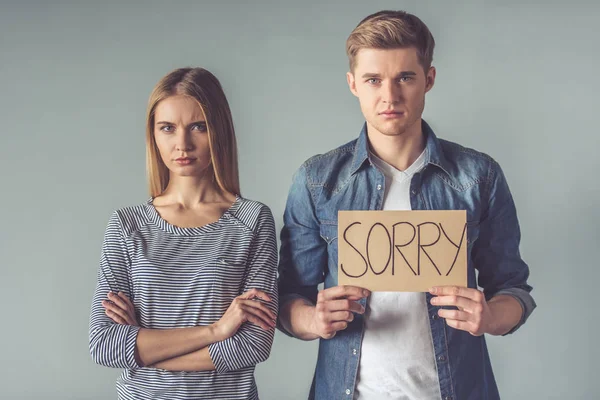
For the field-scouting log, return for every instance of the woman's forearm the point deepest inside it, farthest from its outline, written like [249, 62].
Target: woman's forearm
[198, 360]
[156, 345]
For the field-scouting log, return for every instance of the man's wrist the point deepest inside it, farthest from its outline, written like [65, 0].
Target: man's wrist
[500, 308]
[310, 311]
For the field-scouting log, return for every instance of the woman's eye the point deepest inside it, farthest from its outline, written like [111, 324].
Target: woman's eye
[199, 127]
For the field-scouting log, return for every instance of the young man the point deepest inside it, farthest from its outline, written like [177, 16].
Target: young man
[400, 345]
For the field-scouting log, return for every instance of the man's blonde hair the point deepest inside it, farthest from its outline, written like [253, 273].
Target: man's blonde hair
[391, 30]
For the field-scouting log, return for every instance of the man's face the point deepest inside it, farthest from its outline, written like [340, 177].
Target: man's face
[390, 86]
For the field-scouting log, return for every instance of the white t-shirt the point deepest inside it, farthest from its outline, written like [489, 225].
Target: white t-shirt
[397, 360]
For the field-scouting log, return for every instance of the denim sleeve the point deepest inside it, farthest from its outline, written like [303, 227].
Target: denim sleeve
[496, 252]
[303, 253]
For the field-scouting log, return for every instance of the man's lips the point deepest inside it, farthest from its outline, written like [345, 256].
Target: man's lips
[391, 114]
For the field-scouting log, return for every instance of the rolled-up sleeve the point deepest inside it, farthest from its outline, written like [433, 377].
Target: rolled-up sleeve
[252, 344]
[112, 344]
[496, 253]
[303, 253]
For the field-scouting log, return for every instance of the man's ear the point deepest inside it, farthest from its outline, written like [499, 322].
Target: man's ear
[430, 79]
[351, 83]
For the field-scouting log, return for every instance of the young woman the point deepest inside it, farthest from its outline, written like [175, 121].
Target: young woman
[186, 299]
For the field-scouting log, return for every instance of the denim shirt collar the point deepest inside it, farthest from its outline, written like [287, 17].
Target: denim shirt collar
[434, 152]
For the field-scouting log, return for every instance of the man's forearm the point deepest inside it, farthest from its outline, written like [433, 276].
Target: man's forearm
[506, 312]
[296, 316]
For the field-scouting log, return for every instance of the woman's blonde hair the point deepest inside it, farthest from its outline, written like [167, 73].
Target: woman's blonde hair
[206, 89]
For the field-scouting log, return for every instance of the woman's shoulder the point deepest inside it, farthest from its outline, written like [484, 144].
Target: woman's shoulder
[131, 218]
[252, 212]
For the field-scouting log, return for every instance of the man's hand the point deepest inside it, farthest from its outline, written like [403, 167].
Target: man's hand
[473, 314]
[334, 309]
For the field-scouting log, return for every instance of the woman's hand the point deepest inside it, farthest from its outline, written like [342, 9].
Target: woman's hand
[247, 307]
[120, 309]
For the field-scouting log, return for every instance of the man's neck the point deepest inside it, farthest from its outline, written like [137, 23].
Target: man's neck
[400, 151]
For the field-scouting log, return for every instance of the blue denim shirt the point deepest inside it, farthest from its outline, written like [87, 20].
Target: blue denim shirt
[454, 178]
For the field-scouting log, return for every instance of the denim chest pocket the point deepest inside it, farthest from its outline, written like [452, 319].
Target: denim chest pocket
[329, 231]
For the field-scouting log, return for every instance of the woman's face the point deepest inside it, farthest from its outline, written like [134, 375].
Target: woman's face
[181, 135]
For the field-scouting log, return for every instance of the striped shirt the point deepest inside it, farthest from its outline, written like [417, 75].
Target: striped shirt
[183, 277]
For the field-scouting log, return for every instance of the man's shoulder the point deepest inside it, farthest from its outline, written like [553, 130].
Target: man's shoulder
[458, 153]
[466, 165]
[341, 153]
[320, 167]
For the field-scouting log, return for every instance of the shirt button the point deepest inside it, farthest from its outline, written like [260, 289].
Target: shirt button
[448, 398]
[442, 358]
[413, 191]
[434, 316]
[378, 187]
[347, 391]
[354, 351]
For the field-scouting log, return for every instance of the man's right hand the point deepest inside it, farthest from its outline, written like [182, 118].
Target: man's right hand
[335, 308]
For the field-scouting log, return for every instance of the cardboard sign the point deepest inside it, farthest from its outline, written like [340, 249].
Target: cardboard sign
[402, 251]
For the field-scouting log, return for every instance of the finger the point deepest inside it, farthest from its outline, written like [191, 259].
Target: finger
[124, 297]
[257, 312]
[455, 315]
[115, 317]
[130, 307]
[252, 293]
[113, 308]
[261, 306]
[338, 326]
[344, 305]
[341, 316]
[118, 301]
[460, 325]
[116, 310]
[469, 293]
[344, 292]
[258, 321]
[457, 301]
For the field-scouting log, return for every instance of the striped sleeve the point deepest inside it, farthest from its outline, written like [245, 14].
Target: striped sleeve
[112, 344]
[252, 344]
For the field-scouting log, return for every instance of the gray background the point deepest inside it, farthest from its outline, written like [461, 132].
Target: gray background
[516, 80]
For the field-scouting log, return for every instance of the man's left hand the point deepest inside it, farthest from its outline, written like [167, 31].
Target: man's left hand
[473, 314]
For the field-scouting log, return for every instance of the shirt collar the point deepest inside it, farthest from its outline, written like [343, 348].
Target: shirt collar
[433, 149]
